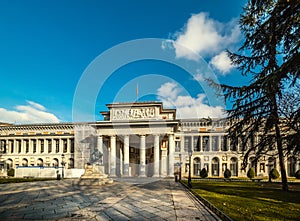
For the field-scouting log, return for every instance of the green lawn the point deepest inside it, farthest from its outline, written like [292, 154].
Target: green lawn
[251, 201]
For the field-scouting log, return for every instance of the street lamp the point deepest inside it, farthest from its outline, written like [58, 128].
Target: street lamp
[63, 163]
[190, 152]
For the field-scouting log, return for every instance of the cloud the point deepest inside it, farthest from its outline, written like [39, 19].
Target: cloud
[222, 63]
[204, 36]
[187, 106]
[30, 113]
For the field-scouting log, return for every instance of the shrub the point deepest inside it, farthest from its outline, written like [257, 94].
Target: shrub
[251, 173]
[203, 173]
[11, 172]
[227, 174]
[274, 174]
[297, 174]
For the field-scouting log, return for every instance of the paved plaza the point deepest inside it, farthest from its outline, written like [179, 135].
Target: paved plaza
[125, 199]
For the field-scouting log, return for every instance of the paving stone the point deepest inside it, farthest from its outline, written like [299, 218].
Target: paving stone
[151, 199]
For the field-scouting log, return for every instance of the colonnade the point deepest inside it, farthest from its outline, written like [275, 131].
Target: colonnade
[119, 158]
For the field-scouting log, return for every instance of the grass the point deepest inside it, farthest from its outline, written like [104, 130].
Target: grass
[20, 180]
[250, 200]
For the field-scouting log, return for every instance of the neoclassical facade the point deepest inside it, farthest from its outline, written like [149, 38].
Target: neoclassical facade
[134, 139]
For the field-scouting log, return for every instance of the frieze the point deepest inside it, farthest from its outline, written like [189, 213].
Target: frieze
[133, 113]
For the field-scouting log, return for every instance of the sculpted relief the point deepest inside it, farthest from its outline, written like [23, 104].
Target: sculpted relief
[133, 113]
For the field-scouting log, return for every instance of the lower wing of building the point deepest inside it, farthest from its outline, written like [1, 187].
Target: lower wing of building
[134, 139]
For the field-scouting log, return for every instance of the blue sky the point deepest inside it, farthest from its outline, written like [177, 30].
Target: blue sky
[47, 46]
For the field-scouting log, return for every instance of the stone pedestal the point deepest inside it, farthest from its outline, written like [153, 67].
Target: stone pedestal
[94, 175]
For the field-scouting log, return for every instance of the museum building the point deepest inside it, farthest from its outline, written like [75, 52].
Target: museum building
[140, 139]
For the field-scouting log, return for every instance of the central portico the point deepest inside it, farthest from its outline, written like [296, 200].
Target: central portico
[137, 139]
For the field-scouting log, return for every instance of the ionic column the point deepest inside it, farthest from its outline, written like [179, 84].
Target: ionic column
[142, 156]
[113, 156]
[156, 156]
[201, 143]
[171, 155]
[126, 156]
[100, 148]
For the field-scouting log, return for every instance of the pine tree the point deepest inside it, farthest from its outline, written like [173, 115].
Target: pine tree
[270, 56]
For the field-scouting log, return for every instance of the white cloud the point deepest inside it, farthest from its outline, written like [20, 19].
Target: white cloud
[222, 62]
[30, 113]
[206, 37]
[187, 106]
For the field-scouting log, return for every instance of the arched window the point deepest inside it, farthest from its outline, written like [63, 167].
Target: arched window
[25, 162]
[71, 163]
[215, 166]
[291, 166]
[55, 162]
[234, 166]
[9, 163]
[253, 164]
[40, 162]
[197, 166]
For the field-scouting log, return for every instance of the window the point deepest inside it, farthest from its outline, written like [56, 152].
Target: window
[224, 143]
[215, 166]
[65, 145]
[234, 166]
[56, 146]
[291, 166]
[196, 143]
[19, 146]
[26, 146]
[49, 145]
[42, 146]
[34, 146]
[3, 146]
[72, 146]
[187, 143]
[197, 166]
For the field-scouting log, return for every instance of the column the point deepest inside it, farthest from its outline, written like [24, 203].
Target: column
[201, 143]
[113, 156]
[100, 148]
[156, 156]
[142, 156]
[61, 146]
[68, 145]
[171, 155]
[126, 156]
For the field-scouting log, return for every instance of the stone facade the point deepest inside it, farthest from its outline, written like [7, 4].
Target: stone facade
[134, 139]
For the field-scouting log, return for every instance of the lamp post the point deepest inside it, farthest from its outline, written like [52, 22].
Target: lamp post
[63, 163]
[190, 152]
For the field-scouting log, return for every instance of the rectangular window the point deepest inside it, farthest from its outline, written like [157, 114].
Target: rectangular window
[12, 146]
[57, 146]
[224, 143]
[49, 145]
[196, 143]
[42, 146]
[34, 146]
[72, 146]
[26, 146]
[19, 146]
[187, 143]
[65, 145]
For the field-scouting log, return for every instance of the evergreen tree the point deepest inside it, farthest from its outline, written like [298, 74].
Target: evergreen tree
[270, 55]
